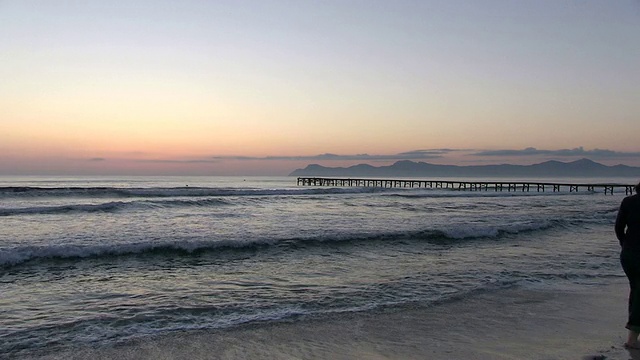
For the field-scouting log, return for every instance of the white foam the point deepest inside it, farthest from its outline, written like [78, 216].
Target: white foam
[479, 231]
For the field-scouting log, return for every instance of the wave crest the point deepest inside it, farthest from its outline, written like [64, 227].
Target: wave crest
[115, 192]
[112, 206]
[19, 255]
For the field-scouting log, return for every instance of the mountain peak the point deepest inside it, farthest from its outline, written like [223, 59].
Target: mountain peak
[407, 168]
[584, 161]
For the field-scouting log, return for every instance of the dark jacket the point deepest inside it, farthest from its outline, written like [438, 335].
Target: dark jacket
[628, 223]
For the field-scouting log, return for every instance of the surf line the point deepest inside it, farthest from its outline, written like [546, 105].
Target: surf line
[525, 186]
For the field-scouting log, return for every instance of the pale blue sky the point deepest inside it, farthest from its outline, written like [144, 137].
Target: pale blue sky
[202, 87]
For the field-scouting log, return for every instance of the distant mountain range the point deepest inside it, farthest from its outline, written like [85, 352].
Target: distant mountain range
[406, 168]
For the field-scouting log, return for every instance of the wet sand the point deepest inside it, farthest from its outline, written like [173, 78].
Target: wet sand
[583, 322]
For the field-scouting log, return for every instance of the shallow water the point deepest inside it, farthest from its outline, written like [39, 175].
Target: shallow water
[95, 261]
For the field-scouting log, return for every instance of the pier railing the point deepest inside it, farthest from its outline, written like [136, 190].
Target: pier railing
[464, 185]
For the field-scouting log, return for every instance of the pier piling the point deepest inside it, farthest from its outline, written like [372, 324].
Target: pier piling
[524, 186]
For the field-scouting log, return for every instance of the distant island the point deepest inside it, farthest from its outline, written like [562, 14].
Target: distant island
[406, 168]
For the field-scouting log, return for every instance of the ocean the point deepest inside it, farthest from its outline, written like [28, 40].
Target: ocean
[98, 261]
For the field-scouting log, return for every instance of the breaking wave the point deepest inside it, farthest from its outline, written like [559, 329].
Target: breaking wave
[112, 206]
[23, 254]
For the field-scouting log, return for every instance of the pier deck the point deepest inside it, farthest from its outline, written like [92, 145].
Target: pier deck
[464, 185]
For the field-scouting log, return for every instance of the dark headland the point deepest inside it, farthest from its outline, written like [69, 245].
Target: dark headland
[406, 168]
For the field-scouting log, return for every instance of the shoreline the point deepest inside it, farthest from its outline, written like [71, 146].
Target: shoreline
[581, 322]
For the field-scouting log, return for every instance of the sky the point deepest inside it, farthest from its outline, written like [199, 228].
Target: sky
[264, 87]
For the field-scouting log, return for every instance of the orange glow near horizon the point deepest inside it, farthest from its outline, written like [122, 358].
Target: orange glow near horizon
[133, 85]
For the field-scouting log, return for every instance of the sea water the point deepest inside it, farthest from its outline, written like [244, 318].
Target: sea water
[99, 261]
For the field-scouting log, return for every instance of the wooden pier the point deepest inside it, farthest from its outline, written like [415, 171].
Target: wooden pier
[464, 185]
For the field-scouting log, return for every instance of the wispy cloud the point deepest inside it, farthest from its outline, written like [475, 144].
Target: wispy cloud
[580, 151]
[416, 155]
[177, 161]
[410, 155]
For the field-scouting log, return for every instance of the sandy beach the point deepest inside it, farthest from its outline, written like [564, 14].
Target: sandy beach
[583, 322]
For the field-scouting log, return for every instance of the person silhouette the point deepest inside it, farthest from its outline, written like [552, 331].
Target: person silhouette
[627, 230]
